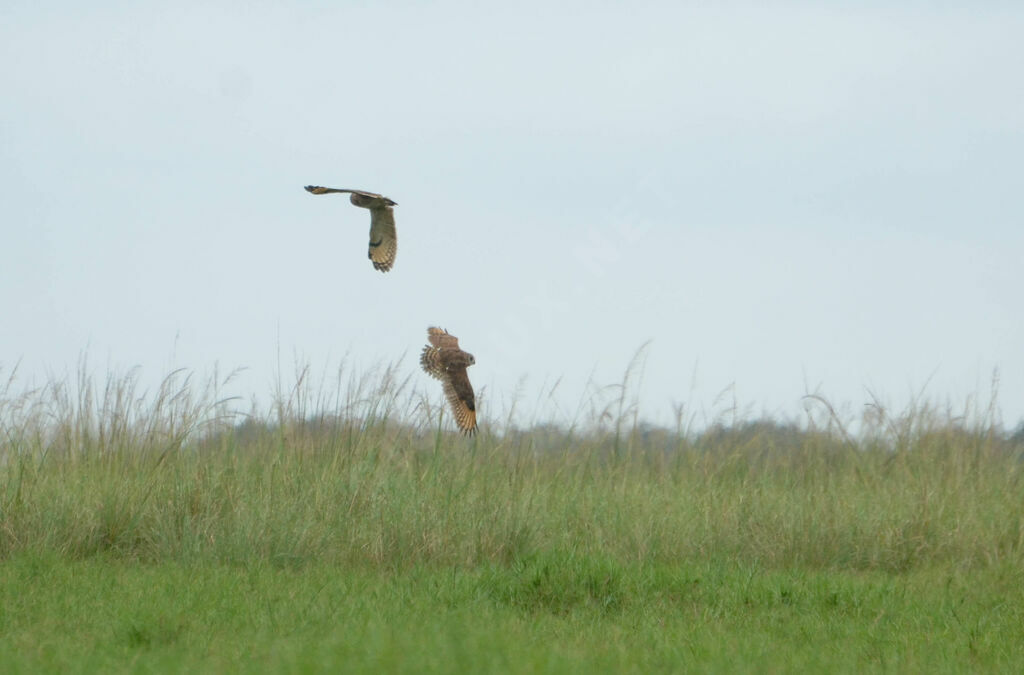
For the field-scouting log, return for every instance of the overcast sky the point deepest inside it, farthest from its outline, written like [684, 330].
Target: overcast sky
[780, 201]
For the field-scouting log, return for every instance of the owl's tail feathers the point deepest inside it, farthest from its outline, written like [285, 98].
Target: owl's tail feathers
[430, 360]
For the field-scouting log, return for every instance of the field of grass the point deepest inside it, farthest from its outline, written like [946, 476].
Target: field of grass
[158, 533]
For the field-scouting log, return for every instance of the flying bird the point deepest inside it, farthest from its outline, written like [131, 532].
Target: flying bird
[443, 360]
[383, 239]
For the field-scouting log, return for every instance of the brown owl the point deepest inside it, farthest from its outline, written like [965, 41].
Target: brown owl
[443, 360]
[383, 238]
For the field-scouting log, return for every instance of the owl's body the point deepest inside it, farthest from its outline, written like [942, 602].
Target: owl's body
[443, 360]
[383, 236]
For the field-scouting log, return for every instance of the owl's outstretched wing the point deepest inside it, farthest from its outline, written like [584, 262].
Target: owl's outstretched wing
[430, 361]
[459, 393]
[383, 238]
[317, 190]
[441, 338]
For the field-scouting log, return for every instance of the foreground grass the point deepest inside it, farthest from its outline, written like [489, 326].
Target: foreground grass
[556, 612]
[129, 542]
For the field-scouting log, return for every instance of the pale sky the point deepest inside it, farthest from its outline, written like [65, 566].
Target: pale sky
[781, 201]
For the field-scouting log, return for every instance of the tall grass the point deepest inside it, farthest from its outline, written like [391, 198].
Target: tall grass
[361, 470]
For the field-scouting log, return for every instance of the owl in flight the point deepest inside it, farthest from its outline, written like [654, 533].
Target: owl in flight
[383, 239]
[443, 360]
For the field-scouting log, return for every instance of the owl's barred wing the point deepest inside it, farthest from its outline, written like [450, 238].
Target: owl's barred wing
[459, 393]
[430, 361]
[317, 190]
[383, 239]
[441, 338]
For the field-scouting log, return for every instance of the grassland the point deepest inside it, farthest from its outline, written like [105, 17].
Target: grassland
[162, 534]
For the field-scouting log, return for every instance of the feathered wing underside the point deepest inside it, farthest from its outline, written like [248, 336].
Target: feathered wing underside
[459, 393]
[441, 338]
[430, 360]
[383, 238]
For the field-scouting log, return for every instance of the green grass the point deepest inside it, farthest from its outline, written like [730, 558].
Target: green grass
[555, 611]
[155, 534]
